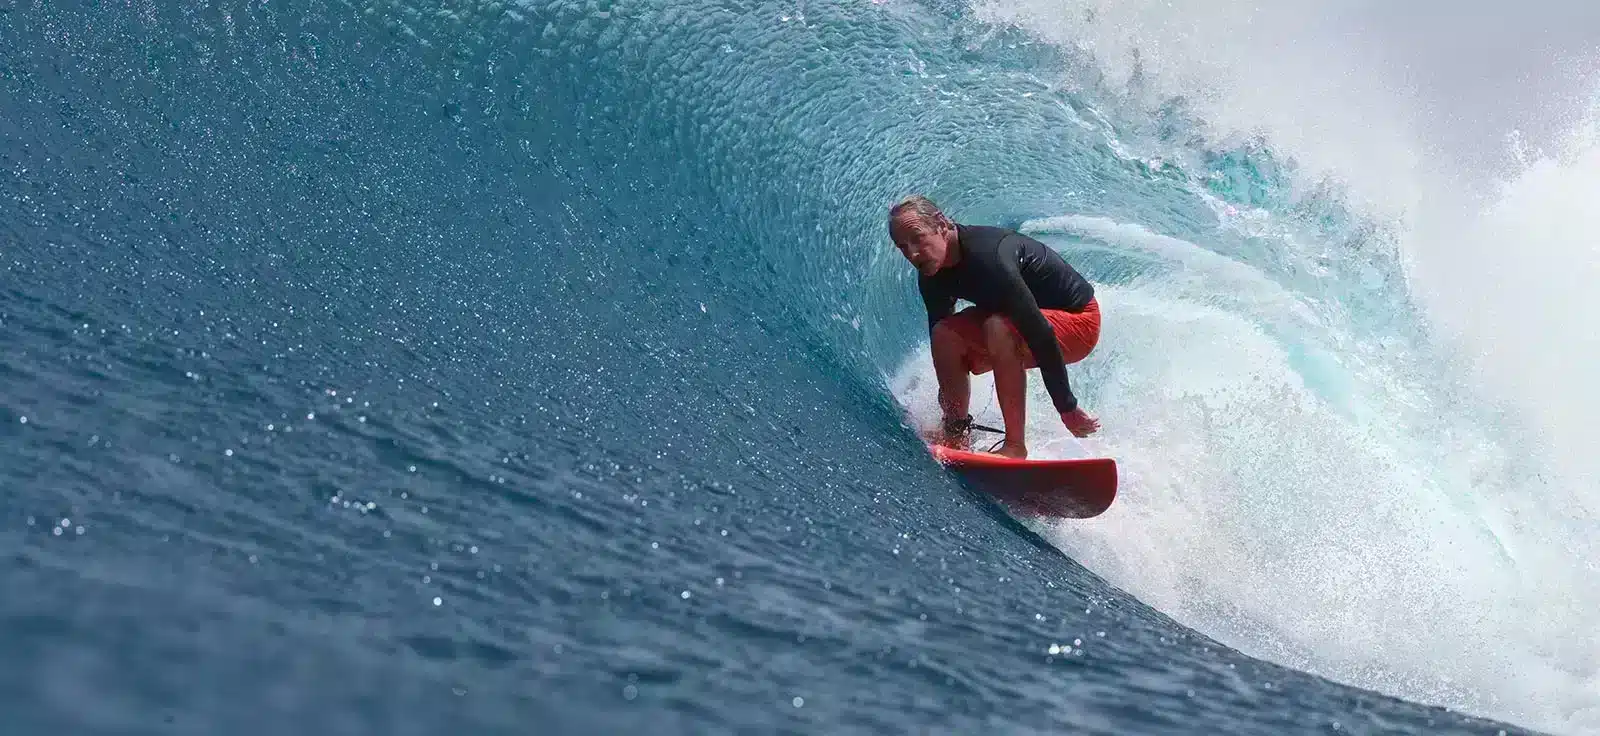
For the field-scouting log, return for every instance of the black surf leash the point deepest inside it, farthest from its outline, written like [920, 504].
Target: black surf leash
[965, 424]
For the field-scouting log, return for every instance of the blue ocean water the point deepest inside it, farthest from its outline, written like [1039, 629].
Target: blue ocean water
[386, 367]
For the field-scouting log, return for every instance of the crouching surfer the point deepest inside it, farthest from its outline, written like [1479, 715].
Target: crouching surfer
[1030, 309]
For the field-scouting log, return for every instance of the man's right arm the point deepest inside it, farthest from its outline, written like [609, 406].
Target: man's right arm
[936, 301]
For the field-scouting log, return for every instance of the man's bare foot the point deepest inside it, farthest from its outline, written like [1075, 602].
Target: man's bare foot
[955, 441]
[955, 434]
[1016, 451]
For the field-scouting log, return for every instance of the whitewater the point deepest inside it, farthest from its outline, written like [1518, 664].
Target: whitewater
[381, 367]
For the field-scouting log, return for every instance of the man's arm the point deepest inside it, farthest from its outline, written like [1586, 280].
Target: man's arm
[1024, 312]
[936, 301]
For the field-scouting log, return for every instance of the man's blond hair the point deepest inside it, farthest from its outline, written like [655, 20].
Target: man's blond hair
[924, 209]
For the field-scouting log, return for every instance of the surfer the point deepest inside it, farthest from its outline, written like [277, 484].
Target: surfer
[1030, 309]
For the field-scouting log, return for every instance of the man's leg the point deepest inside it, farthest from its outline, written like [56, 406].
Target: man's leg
[1010, 383]
[950, 365]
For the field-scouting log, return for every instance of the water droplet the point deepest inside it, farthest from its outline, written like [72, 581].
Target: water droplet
[24, 420]
[78, 531]
[630, 692]
[437, 601]
[798, 701]
[684, 595]
[229, 453]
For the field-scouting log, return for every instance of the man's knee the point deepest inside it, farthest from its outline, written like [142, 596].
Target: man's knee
[947, 340]
[997, 332]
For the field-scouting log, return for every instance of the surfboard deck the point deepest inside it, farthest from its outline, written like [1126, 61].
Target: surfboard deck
[1079, 488]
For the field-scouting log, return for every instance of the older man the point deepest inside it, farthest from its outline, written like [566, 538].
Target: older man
[1030, 310]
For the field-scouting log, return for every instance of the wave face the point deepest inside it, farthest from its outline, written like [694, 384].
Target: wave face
[409, 366]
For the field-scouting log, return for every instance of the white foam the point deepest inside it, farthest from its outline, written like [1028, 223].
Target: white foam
[1518, 282]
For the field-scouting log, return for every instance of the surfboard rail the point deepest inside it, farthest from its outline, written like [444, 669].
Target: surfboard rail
[1075, 488]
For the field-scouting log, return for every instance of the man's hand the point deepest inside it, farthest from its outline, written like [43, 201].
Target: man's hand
[1080, 422]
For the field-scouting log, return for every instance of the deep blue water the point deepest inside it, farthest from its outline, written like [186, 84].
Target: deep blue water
[383, 367]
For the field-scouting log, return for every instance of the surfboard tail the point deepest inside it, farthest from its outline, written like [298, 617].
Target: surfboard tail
[1080, 488]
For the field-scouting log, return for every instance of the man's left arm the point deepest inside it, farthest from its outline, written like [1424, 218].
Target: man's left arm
[1024, 312]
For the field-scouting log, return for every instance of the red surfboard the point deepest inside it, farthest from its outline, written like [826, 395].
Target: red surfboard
[1080, 488]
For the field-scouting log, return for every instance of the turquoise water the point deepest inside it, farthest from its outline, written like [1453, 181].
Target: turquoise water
[374, 367]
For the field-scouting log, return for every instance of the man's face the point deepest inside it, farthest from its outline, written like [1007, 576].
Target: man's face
[922, 242]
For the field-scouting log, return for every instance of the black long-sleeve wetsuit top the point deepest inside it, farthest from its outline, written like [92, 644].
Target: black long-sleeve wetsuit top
[1009, 273]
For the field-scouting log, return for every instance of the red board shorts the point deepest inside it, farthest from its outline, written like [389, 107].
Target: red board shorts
[1076, 333]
